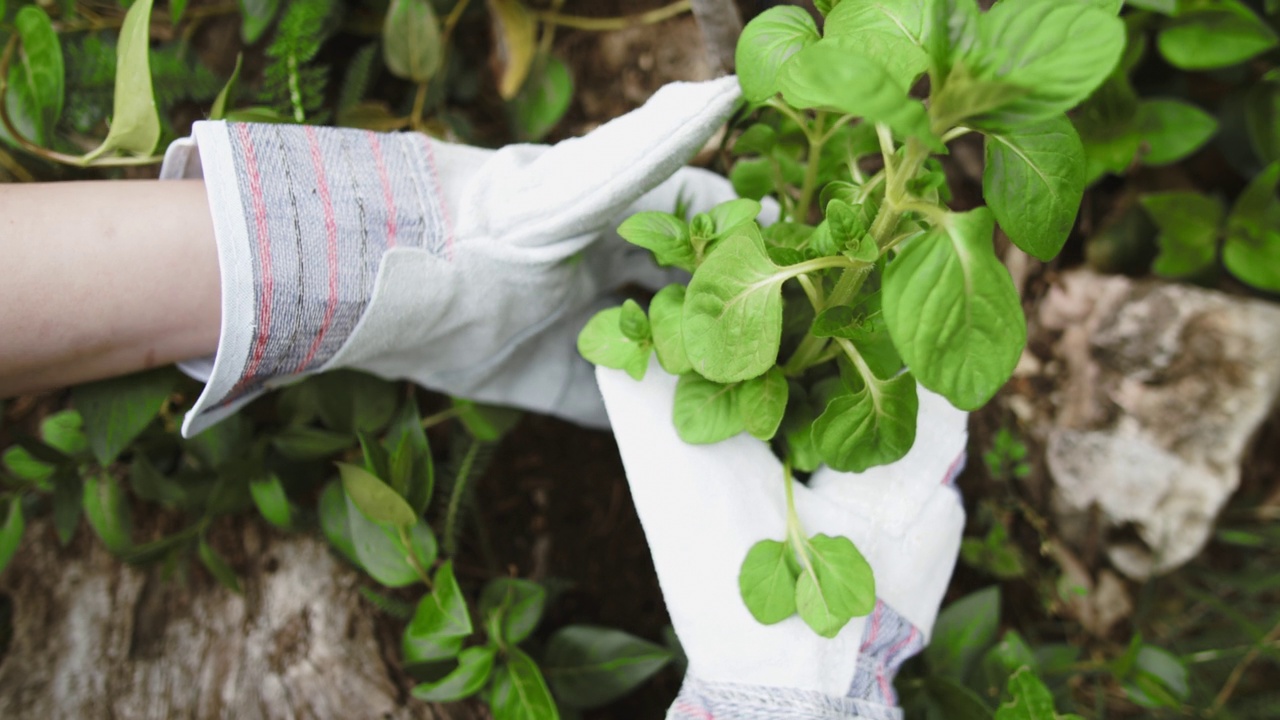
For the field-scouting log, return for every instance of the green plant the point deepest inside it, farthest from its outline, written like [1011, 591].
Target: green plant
[891, 286]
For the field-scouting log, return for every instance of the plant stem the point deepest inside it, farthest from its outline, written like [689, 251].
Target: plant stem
[651, 17]
[954, 133]
[451, 20]
[816, 140]
[419, 102]
[795, 530]
[431, 421]
[895, 193]
[1238, 671]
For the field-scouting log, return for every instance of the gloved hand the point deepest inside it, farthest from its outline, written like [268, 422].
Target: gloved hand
[703, 507]
[465, 270]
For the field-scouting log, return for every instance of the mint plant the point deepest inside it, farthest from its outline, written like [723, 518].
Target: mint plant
[812, 333]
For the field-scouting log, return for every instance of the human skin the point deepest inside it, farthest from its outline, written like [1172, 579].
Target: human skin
[103, 278]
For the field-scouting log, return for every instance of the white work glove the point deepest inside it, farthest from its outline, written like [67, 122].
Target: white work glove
[465, 270]
[704, 506]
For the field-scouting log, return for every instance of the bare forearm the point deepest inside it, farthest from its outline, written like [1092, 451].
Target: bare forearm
[103, 278]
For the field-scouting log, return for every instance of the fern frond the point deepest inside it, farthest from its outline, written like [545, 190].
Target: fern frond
[291, 83]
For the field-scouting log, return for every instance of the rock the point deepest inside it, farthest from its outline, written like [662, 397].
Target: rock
[1161, 388]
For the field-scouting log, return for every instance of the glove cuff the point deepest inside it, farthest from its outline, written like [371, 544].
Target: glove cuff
[699, 700]
[302, 217]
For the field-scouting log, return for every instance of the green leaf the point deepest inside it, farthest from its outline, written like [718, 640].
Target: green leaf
[1173, 130]
[219, 109]
[959, 701]
[835, 586]
[68, 504]
[544, 99]
[1189, 224]
[891, 31]
[666, 312]
[634, 323]
[831, 75]
[706, 411]
[730, 216]
[1007, 657]
[475, 665]
[1034, 182]
[11, 532]
[767, 582]
[1057, 51]
[411, 44]
[950, 31]
[1252, 248]
[38, 71]
[733, 311]
[763, 400]
[874, 426]
[352, 402]
[135, 124]
[256, 18]
[406, 434]
[521, 603]
[1159, 679]
[333, 520]
[953, 312]
[375, 498]
[298, 442]
[440, 622]
[603, 342]
[21, 463]
[64, 431]
[269, 496]
[766, 43]
[107, 509]
[218, 567]
[115, 411]
[177, 8]
[758, 139]
[590, 666]
[1218, 35]
[486, 423]
[519, 691]
[962, 633]
[380, 548]
[1030, 700]
[663, 234]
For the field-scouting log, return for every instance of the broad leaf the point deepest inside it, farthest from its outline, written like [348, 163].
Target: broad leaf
[831, 75]
[1034, 182]
[1173, 130]
[486, 423]
[604, 343]
[269, 496]
[107, 509]
[950, 32]
[218, 567]
[634, 323]
[380, 548]
[752, 177]
[953, 312]
[591, 666]
[767, 42]
[1158, 680]
[663, 234]
[1189, 226]
[666, 312]
[963, 631]
[706, 411]
[836, 587]
[544, 99]
[411, 44]
[63, 431]
[440, 622]
[762, 401]
[767, 582]
[515, 37]
[135, 124]
[519, 691]
[11, 531]
[956, 702]
[302, 443]
[374, 498]
[333, 521]
[475, 665]
[116, 410]
[68, 504]
[1030, 699]
[729, 216]
[521, 603]
[1217, 35]
[874, 426]
[891, 31]
[1252, 249]
[405, 434]
[38, 73]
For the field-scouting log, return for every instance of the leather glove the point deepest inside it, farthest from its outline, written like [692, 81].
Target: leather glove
[465, 270]
[704, 506]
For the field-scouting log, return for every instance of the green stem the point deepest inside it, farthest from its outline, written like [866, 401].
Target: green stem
[412, 559]
[848, 285]
[419, 102]
[954, 133]
[665, 12]
[795, 530]
[895, 193]
[431, 421]
[811, 169]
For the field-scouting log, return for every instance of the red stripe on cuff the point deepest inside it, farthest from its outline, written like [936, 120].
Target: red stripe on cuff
[376, 146]
[263, 332]
[331, 232]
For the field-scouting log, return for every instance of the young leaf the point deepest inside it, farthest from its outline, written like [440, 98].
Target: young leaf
[604, 343]
[107, 510]
[475, 665]
[405, 431]
[767, 582]
[729, 216]
[521, 603]
[1057, 51]
[21, 463]
[1173, 130]
[666, 312]
[219, 109]
[829, 74]
[39, 69]
[486, 423]
[116, 410]
[1189, 224]
[590, 666]
[519, 692]
[963, 631]
[63, 431]
[544, 99]
[441, 621]
[706, 411]
[218, 567]
[874, 426]
[515, 36]
[634, 323]
[953, 312]
[758, 139]
[1252, 249]
[752, 178]
[269, 496]
[333, 520]
[950, 32]
[11, 531]
[890, 30]
[767, 42]
[664, 235]
[135, 124]
[1030, 699]
[837, 587]
[763, 400]
[1034, 182]
[1214, 36]
[411, 44]
[374, 498]
[733, 311]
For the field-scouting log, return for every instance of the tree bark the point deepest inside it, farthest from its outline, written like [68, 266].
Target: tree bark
[96, 639]
[721, 24]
